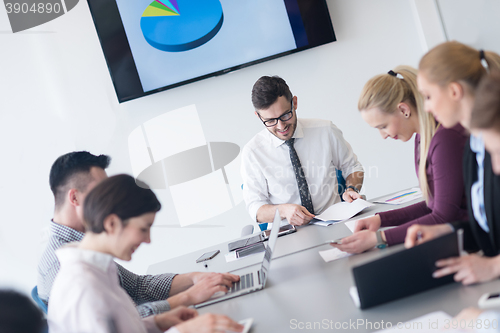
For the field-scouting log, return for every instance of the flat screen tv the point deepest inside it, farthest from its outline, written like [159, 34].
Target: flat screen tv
[154, 45]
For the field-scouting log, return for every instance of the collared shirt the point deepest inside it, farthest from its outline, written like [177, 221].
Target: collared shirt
[268, 175]
[149, 292]
[87, 296]
[477, 189]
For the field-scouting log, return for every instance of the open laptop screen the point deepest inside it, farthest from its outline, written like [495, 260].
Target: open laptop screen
[270, 246]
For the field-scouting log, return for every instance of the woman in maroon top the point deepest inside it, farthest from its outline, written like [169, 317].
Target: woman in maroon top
[392, 104]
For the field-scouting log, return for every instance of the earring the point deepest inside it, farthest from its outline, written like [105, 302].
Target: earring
[407, 115]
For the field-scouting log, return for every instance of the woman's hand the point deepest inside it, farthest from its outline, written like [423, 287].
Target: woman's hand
[358, 242]
[418, 234]
[469, 269]
[173, 317]
[209, 323]
[370, 223]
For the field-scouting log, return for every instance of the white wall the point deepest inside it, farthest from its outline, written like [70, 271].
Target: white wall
[57, 96]
[477, 25]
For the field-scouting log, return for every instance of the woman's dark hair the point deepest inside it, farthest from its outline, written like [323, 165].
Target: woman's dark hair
[118, 195]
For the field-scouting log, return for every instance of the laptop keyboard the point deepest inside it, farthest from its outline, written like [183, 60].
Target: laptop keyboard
[246, 281]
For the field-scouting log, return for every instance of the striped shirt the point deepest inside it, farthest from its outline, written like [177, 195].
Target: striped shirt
[149, 292]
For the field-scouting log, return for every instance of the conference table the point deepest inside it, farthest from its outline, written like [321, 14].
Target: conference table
[305, 293]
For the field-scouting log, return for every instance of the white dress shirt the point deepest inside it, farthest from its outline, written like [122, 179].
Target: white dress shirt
[267, 172]
[87, 297]
[477, 189]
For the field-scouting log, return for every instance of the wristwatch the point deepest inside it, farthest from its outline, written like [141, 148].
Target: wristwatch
[355, 189]
[381, 244]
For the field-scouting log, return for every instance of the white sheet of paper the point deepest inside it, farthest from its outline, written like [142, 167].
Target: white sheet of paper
[333, 254]
[247, 323]
[323, 223]
[432, 322]
[401, 197]
[353, 291]
[342, 211]
[352, 223]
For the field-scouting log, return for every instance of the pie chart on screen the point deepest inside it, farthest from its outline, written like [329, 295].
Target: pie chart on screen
[181, 25]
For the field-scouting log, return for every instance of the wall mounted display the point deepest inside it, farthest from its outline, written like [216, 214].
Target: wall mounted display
[152, 46]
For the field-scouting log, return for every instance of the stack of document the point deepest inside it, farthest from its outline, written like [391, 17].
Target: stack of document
[401, 197]
[341, 211]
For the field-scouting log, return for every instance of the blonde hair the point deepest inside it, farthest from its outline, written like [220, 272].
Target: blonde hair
[453, 62]
[385, 92]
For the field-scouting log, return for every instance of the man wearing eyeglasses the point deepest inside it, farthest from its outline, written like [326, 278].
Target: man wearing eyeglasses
[291, 164]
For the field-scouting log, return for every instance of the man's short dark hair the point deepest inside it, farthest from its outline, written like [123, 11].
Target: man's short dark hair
[266, 91]
[119, 195]
[18, 314]
[72, 171]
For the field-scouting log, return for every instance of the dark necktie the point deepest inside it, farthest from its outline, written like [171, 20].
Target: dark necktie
[305, 196]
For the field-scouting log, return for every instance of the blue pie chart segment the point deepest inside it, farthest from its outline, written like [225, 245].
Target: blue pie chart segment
[198, 22]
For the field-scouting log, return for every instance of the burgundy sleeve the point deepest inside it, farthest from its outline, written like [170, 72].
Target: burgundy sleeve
[398, 216]
[445, 159]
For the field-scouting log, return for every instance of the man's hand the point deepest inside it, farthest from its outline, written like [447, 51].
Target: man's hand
[370, 223]
[469, 269]
[418, 234]
[207, 284]
[209, 323]
[173, 317]
[198, 287]
[295, 214]
[350, 195]
[198, 276]
[358, 242]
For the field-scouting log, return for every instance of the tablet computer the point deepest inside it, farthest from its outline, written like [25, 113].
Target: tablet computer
[404, 273]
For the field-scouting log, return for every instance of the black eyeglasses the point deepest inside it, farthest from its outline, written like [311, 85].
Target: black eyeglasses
[273, 121]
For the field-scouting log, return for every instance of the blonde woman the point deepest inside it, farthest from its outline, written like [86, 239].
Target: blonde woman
[485, 122]
[392, 104]
[448, 78]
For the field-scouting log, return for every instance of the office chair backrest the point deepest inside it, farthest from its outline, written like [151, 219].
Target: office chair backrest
[38, 300]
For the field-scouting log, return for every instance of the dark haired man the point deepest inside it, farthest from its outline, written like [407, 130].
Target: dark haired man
[72, 176]
[291, 164]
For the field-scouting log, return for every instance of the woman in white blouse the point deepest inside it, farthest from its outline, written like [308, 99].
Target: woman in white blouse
[87, 297]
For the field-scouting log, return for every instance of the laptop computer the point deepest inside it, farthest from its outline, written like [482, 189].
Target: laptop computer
[403, 273]
[251, 279]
